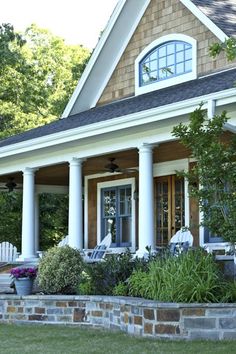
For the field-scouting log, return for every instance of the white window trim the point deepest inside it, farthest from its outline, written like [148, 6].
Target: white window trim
[120, 182]
[171, 81]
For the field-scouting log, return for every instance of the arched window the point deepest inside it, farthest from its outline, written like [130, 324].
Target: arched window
[167, 61]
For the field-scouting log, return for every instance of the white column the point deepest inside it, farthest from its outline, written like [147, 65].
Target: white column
[28, 216]
[36, 243]
[146, 200]
[75, 204]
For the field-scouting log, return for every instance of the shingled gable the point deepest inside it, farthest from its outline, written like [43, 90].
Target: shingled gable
[188, 90]
[114, 40]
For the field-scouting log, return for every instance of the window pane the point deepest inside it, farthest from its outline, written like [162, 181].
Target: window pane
[170, 49]
[162, 51]
[162, 63]
[153, 65]
[179, 47]
[188, 54]
[170, 60]
[125, 230]
[188, 65]
[109, 203]
[179, 68]
[179, 57]
[170, 70]
[162, 74]
[153, 56]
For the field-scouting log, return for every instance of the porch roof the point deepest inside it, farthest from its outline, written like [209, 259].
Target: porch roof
[188, 90]
[222, 13]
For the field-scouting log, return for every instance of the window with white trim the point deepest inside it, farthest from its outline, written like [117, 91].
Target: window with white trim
[167, 61]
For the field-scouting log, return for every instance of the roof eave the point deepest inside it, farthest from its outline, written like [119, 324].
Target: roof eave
[119, 123]
[106, 55]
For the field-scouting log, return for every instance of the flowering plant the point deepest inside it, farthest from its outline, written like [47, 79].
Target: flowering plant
[21, 272]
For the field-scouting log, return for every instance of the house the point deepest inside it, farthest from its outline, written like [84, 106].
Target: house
[113, 150]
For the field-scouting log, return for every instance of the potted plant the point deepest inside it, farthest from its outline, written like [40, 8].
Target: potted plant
[23, 279]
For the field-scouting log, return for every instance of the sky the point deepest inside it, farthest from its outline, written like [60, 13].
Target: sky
[77, 21]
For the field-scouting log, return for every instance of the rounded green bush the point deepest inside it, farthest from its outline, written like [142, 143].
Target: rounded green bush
[59, 270]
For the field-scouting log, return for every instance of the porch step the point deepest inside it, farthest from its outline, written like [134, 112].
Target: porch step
[5, 282]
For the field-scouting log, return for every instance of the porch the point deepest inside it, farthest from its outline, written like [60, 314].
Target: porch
[155, 204]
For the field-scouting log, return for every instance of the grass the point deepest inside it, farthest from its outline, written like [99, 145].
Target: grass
[45, 339]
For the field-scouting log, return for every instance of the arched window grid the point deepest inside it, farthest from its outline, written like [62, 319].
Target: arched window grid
[170, 59]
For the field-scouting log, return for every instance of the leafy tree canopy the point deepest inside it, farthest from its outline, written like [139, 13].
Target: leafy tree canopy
[213, 179]
[229, 47]
[38, 73]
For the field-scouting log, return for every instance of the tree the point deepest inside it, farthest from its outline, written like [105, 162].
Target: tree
[229, 47]
[213, 179]
[38, 74]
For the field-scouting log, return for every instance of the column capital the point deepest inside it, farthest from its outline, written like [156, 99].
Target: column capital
[76, 161]
[29, 170]
[145, 147]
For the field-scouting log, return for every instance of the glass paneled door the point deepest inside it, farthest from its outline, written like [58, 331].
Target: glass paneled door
[169, 201]
[117, 206]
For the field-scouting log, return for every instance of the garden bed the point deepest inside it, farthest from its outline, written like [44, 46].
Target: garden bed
[131, 315]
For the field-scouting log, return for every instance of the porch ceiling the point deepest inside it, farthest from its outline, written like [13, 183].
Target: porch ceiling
[59, 174]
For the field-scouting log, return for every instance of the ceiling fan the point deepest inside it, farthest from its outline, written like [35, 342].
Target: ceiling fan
[10, 185]
[113, 167]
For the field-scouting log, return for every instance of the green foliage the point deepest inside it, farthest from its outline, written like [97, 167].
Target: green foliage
[121, 289]
[10, 211]
[102, 277]
[215, 171]
[53, 219]
[229, 47]
[139, 284]
[229, 292]
[59, 271]
[191, 277]
[38, 74]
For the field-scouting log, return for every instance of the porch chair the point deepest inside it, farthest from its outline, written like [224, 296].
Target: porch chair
[181, 241]
[99, 252]
[64, 241]
[8, 252]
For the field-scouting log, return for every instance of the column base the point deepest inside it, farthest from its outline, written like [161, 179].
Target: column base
[142, 253]
[28, 259]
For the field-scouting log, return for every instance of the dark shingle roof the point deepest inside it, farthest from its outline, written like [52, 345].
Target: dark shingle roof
[195, 88]
[221, 12]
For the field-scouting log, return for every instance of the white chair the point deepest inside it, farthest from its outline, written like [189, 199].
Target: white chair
[64, 241]
[181, 242]
[99, 252]
[8, 252]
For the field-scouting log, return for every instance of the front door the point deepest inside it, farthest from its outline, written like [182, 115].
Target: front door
[117, 206]
[169, 206]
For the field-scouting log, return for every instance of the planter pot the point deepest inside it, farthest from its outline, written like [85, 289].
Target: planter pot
[24, 286]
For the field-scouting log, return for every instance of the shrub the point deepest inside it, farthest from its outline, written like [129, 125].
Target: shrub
[59, 270]
[121, 289]
[103, 276]
[139, 284]
[191, 277]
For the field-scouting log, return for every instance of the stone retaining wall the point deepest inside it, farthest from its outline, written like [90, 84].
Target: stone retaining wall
[134, 316]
